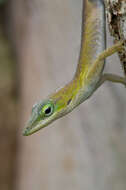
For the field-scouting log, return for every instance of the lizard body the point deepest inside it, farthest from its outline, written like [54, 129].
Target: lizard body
[88, 76]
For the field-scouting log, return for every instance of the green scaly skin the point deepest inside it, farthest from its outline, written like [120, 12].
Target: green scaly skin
[88, 73]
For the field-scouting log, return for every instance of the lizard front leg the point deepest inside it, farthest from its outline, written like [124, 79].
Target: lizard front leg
[106, 53]
[108, 76]
[112, 78]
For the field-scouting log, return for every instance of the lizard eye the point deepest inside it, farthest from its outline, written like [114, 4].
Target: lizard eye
[47, 109]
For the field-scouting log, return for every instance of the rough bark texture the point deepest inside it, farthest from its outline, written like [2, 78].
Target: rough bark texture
[116, 14]
[86, 149]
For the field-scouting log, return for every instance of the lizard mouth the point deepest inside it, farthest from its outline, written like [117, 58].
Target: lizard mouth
[29, 130]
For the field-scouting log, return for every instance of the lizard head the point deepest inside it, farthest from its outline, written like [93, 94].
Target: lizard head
[42, 114]
[45, 112]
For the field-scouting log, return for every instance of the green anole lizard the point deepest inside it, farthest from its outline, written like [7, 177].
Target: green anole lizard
[89, 73]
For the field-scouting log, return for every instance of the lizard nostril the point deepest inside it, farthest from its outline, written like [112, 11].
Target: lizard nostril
[69, 101]
[25, 132]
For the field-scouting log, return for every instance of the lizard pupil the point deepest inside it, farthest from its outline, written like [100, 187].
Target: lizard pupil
[48, 110]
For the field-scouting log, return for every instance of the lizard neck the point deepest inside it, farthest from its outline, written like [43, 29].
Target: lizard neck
[72, 94]
[92, 44]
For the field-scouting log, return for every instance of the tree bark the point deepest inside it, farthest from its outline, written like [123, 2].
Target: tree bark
[116, 14]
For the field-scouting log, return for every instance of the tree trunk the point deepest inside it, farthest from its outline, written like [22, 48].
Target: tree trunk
[116, 14]
[86, 149]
